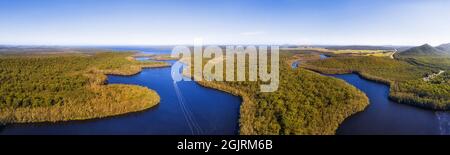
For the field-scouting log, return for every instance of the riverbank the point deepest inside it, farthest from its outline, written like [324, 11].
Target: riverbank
[71, 87]
[251, 108]
[332, 71]
[385, 117]
[304, 104]
[185, 108]
[405, 80]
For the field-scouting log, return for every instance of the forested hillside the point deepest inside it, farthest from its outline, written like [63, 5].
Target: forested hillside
[424, 50]
[444, 47]
[427, 56]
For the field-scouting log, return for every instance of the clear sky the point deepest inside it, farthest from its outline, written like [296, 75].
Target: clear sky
[165, 22]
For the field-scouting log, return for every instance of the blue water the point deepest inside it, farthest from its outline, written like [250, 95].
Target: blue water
[384, 116]
[186, 108]
[295, 64]
[145, 50]
[323, 56]
[143, 59]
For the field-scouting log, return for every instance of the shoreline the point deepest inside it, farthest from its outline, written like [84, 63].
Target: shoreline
[377, 80]
[243, 128]
[81, 112]
[247, 106]
[246, 101]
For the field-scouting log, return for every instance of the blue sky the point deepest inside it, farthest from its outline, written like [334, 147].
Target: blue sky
[166, 22]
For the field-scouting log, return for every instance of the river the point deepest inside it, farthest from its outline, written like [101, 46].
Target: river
[186, 108]
[385, 117]
[189, 109]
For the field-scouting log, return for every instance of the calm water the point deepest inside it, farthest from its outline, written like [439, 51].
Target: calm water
[383, 116]
[323, 56]
[143, 59]
[185, 108]
[295, 64]
[145, 50]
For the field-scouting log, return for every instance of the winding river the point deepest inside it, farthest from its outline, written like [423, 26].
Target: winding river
[186, 108]
[385, 117]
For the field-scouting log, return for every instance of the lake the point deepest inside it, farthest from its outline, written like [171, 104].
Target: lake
[186, 108]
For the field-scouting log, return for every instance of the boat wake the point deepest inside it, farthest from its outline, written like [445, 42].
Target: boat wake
[188, 115]
[444, 122]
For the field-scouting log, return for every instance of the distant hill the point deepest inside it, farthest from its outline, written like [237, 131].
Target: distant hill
[424, 50]
[426, 56]
[444, 47]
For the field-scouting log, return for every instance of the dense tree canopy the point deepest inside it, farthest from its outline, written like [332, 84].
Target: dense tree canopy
[405, 79]
[305, 103]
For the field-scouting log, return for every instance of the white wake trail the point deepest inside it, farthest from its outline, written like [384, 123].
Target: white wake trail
[190, 118]
[183, 111]
[444, 122]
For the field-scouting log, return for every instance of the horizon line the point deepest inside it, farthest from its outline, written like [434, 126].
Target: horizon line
[119, 45]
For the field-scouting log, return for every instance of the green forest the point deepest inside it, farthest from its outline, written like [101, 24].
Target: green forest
[60, 87]
[405, 79]
[73, 86]
[304, 104]
[436, 62]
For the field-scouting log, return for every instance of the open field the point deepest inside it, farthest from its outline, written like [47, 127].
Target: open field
[357, 51]
[344, 52]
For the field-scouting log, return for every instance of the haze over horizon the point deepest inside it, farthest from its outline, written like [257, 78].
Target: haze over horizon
[172, 22]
